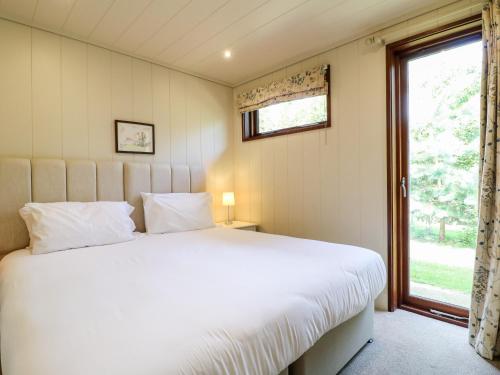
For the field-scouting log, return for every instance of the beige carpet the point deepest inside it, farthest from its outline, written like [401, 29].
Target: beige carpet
[410, 344]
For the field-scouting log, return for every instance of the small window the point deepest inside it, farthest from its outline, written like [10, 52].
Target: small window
[285, 118]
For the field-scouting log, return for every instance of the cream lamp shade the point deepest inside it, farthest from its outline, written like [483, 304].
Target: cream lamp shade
[228, 198]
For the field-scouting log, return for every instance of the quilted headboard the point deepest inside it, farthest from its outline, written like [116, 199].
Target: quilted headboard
[55, 180]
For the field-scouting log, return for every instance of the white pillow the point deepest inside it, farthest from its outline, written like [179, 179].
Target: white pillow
[70, 225]
[177, 212]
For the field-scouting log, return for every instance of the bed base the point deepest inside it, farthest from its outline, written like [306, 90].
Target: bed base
[336, 348]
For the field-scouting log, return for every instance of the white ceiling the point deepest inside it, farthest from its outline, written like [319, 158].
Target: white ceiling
[191, 35]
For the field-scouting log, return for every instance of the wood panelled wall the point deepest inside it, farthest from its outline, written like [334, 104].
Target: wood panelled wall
[331, 184]
[59, 98]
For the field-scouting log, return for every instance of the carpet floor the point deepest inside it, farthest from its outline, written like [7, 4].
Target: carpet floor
[410, 344]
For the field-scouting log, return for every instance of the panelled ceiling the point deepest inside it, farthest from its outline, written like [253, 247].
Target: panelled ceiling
[192, 35]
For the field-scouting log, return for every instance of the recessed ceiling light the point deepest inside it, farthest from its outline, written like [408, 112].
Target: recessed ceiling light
[227, 54]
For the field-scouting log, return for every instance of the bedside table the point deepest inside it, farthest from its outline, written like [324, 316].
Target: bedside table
[243, 225]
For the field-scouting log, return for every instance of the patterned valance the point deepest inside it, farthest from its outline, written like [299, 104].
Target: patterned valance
[311, 82]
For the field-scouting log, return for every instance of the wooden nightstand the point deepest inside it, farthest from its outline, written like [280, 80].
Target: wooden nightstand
[239, 225]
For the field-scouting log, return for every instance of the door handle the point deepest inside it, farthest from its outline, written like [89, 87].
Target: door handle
[403, 186]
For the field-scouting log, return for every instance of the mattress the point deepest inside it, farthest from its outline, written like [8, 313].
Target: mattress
[215, 301]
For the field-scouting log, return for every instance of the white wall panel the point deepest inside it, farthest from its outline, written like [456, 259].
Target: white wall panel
[101, 132]
[254, 158]
[122, 93]
[15, 95]
[243, 171]
[280, 159]
[311, 185]
[59, 98]
[267, 185]
[193, 122]
[142, 97]
[75, 130]
[220, 107]
[178, 102]
[46, 94]
[161, 112]
[349, 149]
[373, 143]
[142, 91]
[295, 178]
[207, 137]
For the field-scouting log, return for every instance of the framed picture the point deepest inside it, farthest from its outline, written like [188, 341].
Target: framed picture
[134, 137]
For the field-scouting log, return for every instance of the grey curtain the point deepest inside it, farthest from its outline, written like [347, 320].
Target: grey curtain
[485, 307]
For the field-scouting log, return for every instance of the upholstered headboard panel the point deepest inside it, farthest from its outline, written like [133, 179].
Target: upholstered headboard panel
[54, 180]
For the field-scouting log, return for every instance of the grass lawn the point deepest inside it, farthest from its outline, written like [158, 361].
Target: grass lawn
[446, 277]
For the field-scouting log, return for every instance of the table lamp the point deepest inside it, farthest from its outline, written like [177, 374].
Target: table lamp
[228, 200]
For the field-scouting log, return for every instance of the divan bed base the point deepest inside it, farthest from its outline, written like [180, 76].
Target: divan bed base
[337, 347]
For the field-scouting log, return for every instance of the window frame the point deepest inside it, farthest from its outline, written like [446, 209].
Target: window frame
[455, 33]
[250, 121]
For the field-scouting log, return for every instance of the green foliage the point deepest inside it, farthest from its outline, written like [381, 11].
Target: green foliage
[466, 161]
[468, 131]
[442, 276]
[294, 113]
[444, 145]
[464, 237]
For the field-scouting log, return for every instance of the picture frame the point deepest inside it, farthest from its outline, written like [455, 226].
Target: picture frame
[133, 137]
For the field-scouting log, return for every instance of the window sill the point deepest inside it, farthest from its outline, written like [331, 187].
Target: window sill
[295, 129]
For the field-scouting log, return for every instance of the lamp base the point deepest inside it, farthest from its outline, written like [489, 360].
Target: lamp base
[228, 220]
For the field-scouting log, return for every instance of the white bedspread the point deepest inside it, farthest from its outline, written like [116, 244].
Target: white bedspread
[216, 301]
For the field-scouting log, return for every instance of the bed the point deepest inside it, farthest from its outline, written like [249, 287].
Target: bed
[214, 301]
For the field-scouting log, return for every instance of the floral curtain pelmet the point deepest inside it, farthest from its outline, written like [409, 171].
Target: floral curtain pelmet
[311, 82]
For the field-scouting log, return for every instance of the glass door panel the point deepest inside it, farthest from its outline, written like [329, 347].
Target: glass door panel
[442, 168]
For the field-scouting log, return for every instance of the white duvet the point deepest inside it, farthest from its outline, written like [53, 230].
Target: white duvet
[215, 301]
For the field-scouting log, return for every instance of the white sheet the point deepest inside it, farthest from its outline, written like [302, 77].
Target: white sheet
[215, 301]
